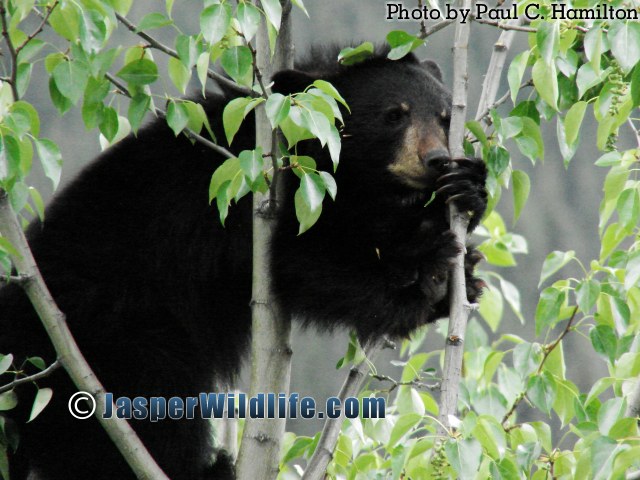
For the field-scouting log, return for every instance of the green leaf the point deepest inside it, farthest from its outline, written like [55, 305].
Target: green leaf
[548, 41]
[628, 207]
[548, 309]
[491, 436]
[624, 38]
[43, 397]
[521, 189]
[305, 215]
[273, 12]
[516, 72]
[109, 123]
[179, 74]
[177, 117]
[587, 293]
[401, 44]
[632, 271]
[554, 262]
[546, 82]
[330, 184]
[491, 307]
[573, 120]
[153, 20]
[312, 189]
[603, 454]
[604, 341]
[238, 63]
[5, 363]
[214, 22]
[542, 391]
[233, 115]
[277, 108]
[139, 72]
[330, 90]
[38, 203]
[70, 79]
[464, 456]
[317, 124]
[252, 165]
[138, 107]
[249, 18]
[403, 426]
[50, 158]
[351, 56]
[65, 21]
[225, 173]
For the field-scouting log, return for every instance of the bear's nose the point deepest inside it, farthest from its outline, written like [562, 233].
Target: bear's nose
[436, 159]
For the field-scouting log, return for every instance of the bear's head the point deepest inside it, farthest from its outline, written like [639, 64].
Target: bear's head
[395, 135]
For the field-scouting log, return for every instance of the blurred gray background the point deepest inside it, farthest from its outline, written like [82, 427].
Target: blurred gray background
[561, 214]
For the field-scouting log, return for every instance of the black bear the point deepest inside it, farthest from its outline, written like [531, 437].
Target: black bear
[156, 291]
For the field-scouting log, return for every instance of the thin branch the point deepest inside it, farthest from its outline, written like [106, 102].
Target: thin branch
[40, 27]
[317, 466]
[459, 221]
[485, 114]
[436, 28]
[496, 66]
[17, 279]
[395, 383]
[547, 351]
[221, 79]
[32, 378]
[423, 24]
[162, 114]
[505, 26]
[12, 50]
[635, 131]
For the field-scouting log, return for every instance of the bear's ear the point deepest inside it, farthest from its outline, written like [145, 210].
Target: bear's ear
[433, 68]
[291, 81]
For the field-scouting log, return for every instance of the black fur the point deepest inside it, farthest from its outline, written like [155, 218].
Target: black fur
[156, 291]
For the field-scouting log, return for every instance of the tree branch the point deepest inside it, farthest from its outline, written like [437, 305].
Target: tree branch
[259, 454]
[32, 378]
[494, 71]
[317, 466]
[13, 54]
[162, 114]
[40, 27]
[547, 351]
[459, 221]
[68, 353]
[221, 79]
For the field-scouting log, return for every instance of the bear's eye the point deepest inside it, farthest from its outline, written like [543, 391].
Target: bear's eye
[395, 115]
[445, 120]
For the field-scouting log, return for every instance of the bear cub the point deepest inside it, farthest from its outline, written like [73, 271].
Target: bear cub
[156, 291]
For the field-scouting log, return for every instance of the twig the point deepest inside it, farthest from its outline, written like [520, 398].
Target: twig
[12, 51]
[317, 466]
[505, 26]
[423, 25]
[221, 79]
[40, 27]
[395, 383]
[485, 114]
[32, 378]
[496, 65]
[17, 279]
[436, 28]
[547, 351]
[459, 221]
[162, 114]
